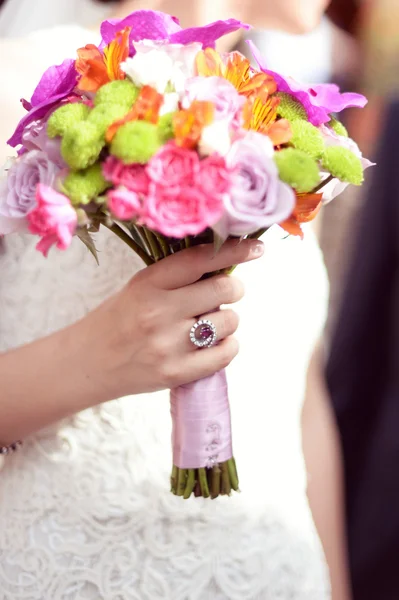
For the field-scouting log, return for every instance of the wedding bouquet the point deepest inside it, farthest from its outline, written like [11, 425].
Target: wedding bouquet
[168, 143]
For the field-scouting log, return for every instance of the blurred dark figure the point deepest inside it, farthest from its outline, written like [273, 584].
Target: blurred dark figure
[363, 379]
[363, 367]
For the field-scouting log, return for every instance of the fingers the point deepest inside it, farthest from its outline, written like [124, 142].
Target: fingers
[207, 295]
[225, 321]
[206, 362]
[188, 266]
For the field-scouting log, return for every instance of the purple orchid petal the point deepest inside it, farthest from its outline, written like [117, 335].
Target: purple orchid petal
[59, 79]
[319, 101]
[329, 95]
[209, 34]
[55, 85]
[145, 24]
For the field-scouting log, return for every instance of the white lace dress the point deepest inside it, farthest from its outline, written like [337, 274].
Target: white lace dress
[85, 510]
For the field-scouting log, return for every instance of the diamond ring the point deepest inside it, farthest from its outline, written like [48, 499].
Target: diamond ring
[203, 334]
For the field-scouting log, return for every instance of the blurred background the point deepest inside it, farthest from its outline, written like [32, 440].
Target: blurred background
[356, 44]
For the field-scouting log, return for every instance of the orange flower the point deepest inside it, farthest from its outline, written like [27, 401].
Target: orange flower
[188, 124]
[97, 69]
[237, 70]
[90, 65]
[146, 108]
[116, 53]
[260, 112]
[307, 208]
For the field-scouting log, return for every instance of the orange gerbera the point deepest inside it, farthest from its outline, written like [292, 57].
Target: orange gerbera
[146, 108]
[97, 69]
[307, 208]
[237, 70]
[188, 124]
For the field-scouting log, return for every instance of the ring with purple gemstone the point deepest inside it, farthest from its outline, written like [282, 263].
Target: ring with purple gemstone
[203, 334]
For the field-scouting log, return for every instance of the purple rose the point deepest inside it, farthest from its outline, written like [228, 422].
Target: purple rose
[258, 198]
[35, 137]
[227, 101]
[18, 188]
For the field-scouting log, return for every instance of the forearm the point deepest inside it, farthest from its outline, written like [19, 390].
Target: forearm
[325, 482]
[46, 381]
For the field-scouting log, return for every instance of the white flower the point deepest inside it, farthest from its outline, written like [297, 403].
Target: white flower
[159, 64]
[152, 68]
[170, 103]
[215, 138]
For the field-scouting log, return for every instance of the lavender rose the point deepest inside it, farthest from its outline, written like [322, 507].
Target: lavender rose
[227, 101]
[18, 188]
[258, 198]
[35, 137]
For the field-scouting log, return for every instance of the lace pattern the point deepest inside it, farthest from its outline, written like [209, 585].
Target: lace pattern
[85, 513]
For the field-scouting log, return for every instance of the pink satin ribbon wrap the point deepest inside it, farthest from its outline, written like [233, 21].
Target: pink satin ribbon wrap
[201, 435]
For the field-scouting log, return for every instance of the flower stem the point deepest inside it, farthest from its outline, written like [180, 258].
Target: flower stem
[215, 488]
[231, 466]
[181, 481]
[190, 484]
[173, 480]
[125, 237]
[322, 184]
[153, 242]
[163, 245]
[203, 482]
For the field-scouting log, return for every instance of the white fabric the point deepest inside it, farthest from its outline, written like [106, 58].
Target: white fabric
[85, 511]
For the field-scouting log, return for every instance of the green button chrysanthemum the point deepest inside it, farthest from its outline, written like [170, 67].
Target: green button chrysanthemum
[84, 186]
[289, 108]
[307, 137]
[65, 117]
[136, 142]
[81, 145]
[338, 127]
[343, 164]
[297, 169]
[117, 92]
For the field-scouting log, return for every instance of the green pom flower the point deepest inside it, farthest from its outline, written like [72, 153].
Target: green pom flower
[289, 108]
[136, 142]
[65, 117]
[297, 169]
[337, 126]
[104, 115]
[82, 187]
[308, 138]
[117, 92]
[81, 145]
[343, 164]
[165, 126]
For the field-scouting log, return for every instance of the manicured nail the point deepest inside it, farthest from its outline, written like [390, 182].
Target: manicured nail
[258, 248]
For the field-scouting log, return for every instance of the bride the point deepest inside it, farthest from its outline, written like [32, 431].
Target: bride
[84, 509]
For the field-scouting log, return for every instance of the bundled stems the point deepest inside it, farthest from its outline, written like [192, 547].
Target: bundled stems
[219, 480]
[125, 237]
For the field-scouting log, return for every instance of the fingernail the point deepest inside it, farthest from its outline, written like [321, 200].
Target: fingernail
[258, 248]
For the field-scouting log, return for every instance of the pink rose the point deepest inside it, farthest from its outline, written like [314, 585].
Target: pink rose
[132, 177]
[173, 167]
[177, 213]
[214, 176]
[124, 204]
[53, 218]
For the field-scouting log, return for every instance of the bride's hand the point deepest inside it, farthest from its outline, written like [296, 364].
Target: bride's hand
[141, 335]
[137, 341]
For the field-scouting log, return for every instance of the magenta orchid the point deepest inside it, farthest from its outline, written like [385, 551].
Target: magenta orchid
[320, 101]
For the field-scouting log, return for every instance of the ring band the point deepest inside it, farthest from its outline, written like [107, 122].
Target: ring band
[203, 334]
